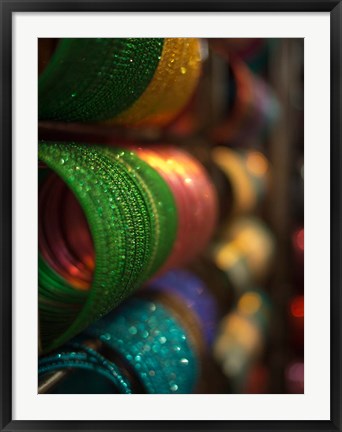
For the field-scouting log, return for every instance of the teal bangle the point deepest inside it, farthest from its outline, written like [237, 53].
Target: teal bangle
[153, 343]
[96, 79]
[80, 357]
[128, 238]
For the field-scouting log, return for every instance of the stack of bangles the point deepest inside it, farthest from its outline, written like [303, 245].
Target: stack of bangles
[195, 197]
[244, 252]
[243, 47]
[242, 336]
[86, 361]
[248, 174]
[108, 222]
[142, 347]
[254, 108]
[130, 81]
[184, 287]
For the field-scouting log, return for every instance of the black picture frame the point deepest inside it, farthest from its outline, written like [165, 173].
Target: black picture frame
[9, 7]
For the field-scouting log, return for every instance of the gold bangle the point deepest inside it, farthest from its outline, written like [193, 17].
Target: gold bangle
[171, 87]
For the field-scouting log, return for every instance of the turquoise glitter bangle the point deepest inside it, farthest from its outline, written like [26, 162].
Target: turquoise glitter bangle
[153, 343]
[96, 79]
[124, 231]
[80, 357]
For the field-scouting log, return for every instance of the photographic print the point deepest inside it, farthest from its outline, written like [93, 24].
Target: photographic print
[171, 215]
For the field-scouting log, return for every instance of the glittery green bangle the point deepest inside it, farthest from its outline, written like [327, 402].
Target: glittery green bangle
[153, 343]
[96, 79]
[77, 167]
[59, 302]
[160, 202]
[130, 240]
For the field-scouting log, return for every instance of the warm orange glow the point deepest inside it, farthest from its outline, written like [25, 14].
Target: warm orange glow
[257, 163]
[232, 165]
[249, 303]
[226, 256]
[78, 283]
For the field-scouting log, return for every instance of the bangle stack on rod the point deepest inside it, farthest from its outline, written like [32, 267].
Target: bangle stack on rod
[129, 221]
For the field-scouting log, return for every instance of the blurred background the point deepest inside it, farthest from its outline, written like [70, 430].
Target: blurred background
[239, 293]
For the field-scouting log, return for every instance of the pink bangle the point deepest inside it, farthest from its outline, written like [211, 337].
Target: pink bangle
[67, 259]
[195, 198]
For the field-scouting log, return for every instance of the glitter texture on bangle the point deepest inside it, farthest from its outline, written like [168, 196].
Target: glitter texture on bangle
[96, 79]
[79, 357]
[153, 343]
[172, 86]
[132, 227]
[195, 196]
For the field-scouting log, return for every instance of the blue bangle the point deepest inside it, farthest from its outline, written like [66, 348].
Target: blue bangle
[195, 295]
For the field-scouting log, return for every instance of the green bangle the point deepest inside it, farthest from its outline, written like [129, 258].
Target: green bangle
[117, 193]
[58, 302]
[161, 204]
[76, 166]
[96, 79]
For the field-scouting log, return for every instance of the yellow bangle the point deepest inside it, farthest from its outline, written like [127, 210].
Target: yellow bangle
[171, 87]
[231, 164]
